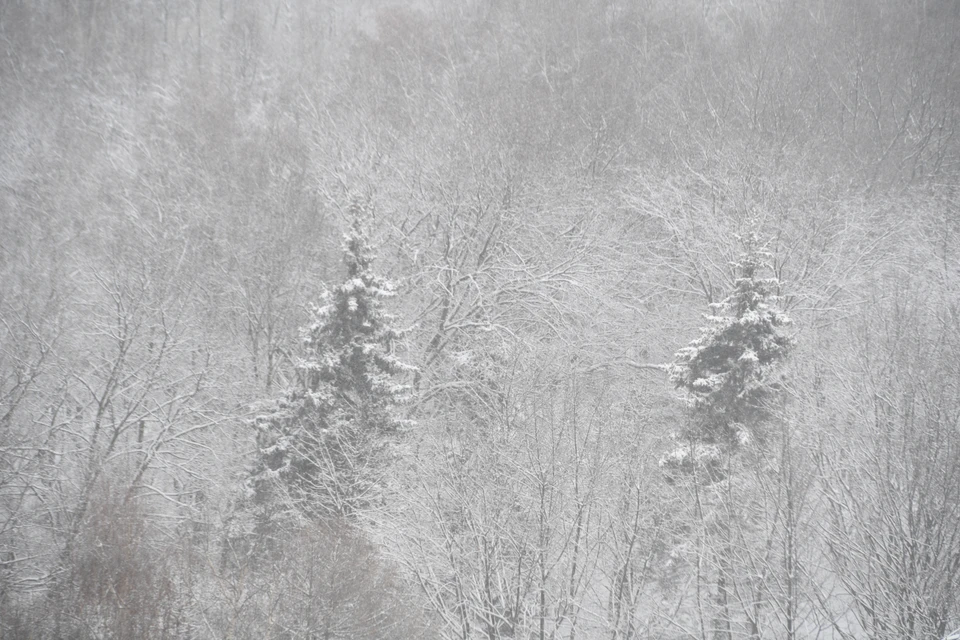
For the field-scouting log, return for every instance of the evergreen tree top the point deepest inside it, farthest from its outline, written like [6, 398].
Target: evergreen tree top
[726, 372]
[350, 341]
[358, 254]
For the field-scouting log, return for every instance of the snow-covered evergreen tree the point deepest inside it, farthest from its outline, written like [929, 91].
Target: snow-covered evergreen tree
[320, 451]
[727, 372]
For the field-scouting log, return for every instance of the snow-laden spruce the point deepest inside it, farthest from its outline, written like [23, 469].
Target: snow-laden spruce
[321, 451]
[727, 373]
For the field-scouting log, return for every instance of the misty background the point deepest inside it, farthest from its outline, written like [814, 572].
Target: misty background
[333, 319]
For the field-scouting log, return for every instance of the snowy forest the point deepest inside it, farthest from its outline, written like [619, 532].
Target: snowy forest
[480, 319]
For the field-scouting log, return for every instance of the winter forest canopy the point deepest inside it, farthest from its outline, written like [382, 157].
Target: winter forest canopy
[480, 319]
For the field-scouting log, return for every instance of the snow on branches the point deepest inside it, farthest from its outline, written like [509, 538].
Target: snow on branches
[323, 447]
[727, 373]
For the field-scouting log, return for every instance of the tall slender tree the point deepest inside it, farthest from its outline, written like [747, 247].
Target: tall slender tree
[728, 375]
[321, 449]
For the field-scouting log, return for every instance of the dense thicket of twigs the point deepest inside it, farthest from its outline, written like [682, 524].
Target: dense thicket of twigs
[561, 189]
